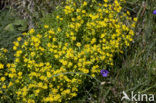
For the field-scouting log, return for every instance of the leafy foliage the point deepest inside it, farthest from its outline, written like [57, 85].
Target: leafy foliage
[53, 61]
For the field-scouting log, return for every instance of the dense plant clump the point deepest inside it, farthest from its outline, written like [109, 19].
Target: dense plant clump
[84, 37]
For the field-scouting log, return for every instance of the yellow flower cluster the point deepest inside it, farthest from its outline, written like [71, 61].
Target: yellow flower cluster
[84, 39]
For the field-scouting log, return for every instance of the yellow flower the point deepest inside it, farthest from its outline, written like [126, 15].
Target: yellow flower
[135, 19]
[1, 66]
[106, 1]
[32, 31]
[61, 19]
[57, 17]
[78, 10]
[67, 7]
[10, 84]
[2, 79]
[32, 54]
[25, 43]
[36, 92]
[54, 39]
[49, 74]
[93, 75]
[20, 73]
[93, 41]
[86, 71]
[8, 65]
[73, 38]
[24, 33]
[31, 101]
[4, 86]
[59, 29]
[64, 62]
[131, 32]
[5, 50]
[17, 60]
[83, 11]
[78, 44]
[78, 17]
[40, 84]
[46, 26]
[73, 19]
[18, 53]
[84, 3]
[51, 31]
[54, 90]
[56, 56]
[16, 44]
[19, 38]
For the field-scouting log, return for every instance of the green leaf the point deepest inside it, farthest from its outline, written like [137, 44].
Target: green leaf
[23, 28]
[19, 22]
[9, 27]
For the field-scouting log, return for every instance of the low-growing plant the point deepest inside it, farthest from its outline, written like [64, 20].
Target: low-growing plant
[78, 40]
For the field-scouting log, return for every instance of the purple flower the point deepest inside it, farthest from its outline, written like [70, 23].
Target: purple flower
[104, 72]
[154, 12]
